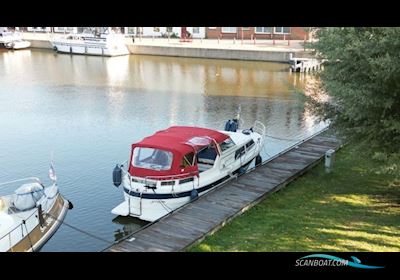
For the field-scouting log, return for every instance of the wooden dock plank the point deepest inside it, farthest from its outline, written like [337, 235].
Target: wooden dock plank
[191, 223]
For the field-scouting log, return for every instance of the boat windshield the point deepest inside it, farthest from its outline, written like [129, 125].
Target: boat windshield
[153, 159]
[228, 143]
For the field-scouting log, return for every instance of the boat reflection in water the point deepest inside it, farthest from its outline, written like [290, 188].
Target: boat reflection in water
[129, 225]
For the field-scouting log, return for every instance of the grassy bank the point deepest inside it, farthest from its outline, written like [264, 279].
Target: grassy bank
[352, 208]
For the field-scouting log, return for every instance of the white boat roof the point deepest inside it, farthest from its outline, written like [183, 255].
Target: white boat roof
[238, 137]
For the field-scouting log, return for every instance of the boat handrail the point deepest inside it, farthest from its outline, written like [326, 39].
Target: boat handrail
[171, 177]
[157, 177]
[21, 180]
[35, 214]
[259, 127]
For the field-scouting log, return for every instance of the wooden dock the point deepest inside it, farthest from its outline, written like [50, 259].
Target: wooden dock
[189, 224]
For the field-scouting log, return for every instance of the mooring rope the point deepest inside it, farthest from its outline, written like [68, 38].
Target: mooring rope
[81, 230]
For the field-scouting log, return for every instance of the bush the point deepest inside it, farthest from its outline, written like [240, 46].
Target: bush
[362, 76]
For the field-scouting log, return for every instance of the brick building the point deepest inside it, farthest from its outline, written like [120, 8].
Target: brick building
[292, 33]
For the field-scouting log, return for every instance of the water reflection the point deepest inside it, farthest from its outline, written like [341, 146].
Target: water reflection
[89, 110]
[129, 226]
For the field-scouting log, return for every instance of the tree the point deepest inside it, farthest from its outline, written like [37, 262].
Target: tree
[362, 76]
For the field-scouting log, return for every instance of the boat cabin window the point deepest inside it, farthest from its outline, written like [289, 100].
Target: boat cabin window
[187, 160]
[249, 144]
[228, 143]
[153, 159]
[191, 179]
[239, 153]
[207, 155]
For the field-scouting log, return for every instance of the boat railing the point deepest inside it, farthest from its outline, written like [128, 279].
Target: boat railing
[24, 223]
[155, 179]
[22, 180]
[259, 127]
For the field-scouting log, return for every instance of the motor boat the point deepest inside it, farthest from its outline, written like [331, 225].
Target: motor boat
[31, 215]
[13, 40]
[110, 44]
[177, 165]
[18, 44]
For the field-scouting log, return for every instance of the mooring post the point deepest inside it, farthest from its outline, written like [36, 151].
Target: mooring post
[329, 158]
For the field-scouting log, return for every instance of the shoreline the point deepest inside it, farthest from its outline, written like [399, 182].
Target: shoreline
[246, 50]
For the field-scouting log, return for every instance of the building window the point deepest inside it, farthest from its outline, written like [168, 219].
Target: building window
[131, 30]
[156, 29]
[169, 29]
[282, 30]
[196, 30]
[229, 29]
[212, 28]
[265, 30]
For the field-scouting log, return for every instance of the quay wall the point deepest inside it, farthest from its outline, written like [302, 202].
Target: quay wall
[232, 54]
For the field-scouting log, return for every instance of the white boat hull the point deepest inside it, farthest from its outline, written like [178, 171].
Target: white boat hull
[90, 50]
[17, 45]
[152, 209]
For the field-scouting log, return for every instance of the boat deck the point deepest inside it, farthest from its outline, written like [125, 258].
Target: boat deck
[189, 224]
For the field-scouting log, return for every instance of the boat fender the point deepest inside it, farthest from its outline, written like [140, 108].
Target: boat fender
[258, 160]
[41, 218]
[241, 170]
[117, 176]
[55, 48]
[194, 194]
[70, 205]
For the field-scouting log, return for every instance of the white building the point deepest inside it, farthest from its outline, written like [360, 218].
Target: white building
[74, 29]
[65, 29]
[39, 29]
[196, 32]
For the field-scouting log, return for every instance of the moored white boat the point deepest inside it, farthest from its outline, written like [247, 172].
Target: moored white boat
[89, 44]
[30, 216]
[174, 166]
[18, 44]
[13, 40]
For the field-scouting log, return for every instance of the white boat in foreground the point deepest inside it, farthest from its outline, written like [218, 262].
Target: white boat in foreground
[30, 216]
[90, 44]
[178, 164]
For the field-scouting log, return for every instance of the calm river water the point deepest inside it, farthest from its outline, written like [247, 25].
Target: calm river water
[88, 110]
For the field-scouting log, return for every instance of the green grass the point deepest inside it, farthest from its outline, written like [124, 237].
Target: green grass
[352, 208]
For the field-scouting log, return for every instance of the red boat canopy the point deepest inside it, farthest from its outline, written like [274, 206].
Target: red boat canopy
[180, 141]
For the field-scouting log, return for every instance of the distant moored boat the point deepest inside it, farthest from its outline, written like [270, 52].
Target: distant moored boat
[90, 44]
